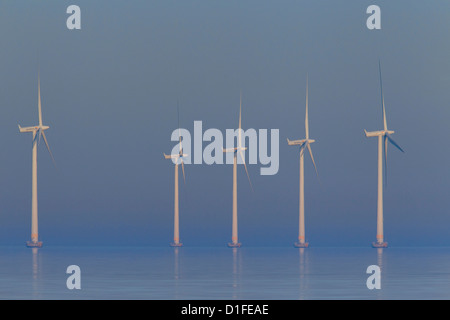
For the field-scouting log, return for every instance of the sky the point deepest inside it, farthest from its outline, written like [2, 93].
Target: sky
[110, 90]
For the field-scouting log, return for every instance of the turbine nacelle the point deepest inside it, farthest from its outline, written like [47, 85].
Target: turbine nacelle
[175, 156]
[300, 142]
[235, 150]
[33, 129]
[378, 133]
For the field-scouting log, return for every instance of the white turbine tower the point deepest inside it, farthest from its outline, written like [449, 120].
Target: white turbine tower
[383, 137]
[234, 228]
[303, 143]
[177, 159]
[37, 131]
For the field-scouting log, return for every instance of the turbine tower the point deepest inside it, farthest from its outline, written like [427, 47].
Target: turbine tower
[383, 137]
[177, 159]
[37, 131]
[234, 228]
[303, 143]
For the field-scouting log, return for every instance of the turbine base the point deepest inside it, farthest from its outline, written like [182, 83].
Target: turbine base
[234, 245]
[178, 244]
[379, 244]
[301, 245]
[31, 244]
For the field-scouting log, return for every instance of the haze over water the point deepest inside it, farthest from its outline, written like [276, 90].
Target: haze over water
[223, 273]
[110, 90]
[109, 94]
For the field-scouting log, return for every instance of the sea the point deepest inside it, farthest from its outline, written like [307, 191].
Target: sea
[221, 273]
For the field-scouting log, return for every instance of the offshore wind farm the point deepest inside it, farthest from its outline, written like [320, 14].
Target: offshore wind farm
[149, 199]
[133, 117]
[384, 137]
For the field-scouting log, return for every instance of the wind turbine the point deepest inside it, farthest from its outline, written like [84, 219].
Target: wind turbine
[303, 143]
[177, 159]
[234, 229]
[383, 137]
[37, 131]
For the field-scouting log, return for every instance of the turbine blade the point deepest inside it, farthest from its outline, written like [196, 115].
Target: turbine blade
[312, 158]
[179, 130]
[48, 148]
[240, 109]
[394, 143]
[35, 138]
[39, 100]
[182, 168]
[240, 112]
[306, 115]
[245, 166]
[382, 98]
[302, 148]
[38, 136]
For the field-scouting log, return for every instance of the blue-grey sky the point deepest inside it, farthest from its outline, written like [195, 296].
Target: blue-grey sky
[109, 95]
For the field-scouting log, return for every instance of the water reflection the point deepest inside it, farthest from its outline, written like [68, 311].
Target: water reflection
[380, 257]
[303, 273]
[210, 273]
[236, 272]
[380, 264]
[35, 273]
[176, 272]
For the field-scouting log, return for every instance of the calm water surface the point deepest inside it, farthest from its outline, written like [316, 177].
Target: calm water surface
[223, 273]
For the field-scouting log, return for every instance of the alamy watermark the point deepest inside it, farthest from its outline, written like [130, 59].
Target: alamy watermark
[374, 21]
[74, 280]
[208, 147]
[374, 280]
